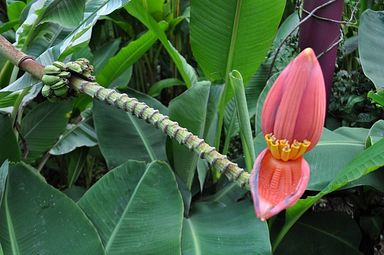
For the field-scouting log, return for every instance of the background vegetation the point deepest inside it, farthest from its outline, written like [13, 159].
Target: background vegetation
[78, 176]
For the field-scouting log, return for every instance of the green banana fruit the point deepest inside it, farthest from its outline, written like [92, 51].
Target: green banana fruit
[60, 65]
[50, 79]
[64, 74]
[61, 92]
[51, 69]
[46, 91]
[59, 84]
[57, 74]
[75, 67]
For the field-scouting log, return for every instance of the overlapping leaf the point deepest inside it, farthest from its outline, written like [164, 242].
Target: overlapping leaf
[42, 126]
[75, 136]
[325, 233]
[38, 219]
[9, 148]
[136, 9]
[137, 209]
[371, 49]
[233, 35]
[211, 230]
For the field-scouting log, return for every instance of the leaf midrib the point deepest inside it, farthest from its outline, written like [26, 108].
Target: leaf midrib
[232, 44]
[195, 238]
[118, 225]
[340, 143]
[11, 229]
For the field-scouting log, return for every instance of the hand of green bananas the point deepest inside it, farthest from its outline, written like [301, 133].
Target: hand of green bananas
[56, 77]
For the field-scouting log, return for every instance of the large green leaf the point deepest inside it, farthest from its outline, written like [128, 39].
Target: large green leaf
[127, 56]
[365, 162]
[9, 149]
[38, 219]
[371, 48]
[123, 136]
[233, 229]
[325, 233]
[233, 34]
[339, 150]
[42, 126]
[136, 9]
[137, 209]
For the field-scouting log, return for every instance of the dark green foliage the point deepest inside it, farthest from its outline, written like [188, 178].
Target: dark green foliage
[9, 148]
[170, 201]
[349, 104]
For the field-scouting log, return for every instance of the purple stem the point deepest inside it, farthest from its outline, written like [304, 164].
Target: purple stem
[320, 34]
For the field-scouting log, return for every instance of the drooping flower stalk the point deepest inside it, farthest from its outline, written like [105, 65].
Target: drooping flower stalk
[292, 122]
[171, 128]
[139, 109]
[321, 32]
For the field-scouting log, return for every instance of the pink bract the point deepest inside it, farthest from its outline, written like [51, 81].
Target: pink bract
[296, 104]
[276, 185]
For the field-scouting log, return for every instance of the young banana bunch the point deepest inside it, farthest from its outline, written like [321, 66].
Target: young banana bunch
[56, 77]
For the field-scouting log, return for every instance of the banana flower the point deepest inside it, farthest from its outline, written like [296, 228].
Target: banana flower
[292, 122]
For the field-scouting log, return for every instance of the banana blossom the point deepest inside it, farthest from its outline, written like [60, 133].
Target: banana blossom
[292, 122]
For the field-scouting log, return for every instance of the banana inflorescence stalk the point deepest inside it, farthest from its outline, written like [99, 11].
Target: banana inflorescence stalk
[81, 82]
[171, 128]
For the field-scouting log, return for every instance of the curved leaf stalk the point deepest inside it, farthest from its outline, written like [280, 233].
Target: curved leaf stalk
[140, 110]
